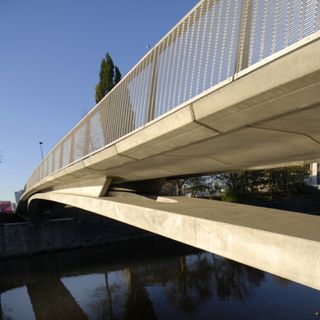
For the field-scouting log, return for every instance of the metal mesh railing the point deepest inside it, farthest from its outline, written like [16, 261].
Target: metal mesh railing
[213, 42]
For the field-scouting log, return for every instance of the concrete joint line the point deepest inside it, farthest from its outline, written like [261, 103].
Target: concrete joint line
[123, 155]
[85, 167]
[288, 113]
[210, 157]
[216, 159]
[266, 101]
[194, 143]
[221, 134]
[285, 131]
[200, 123]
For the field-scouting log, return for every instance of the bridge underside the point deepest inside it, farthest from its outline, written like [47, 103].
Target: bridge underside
[283, 243]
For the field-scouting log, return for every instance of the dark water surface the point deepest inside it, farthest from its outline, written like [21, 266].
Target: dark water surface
[159, 279]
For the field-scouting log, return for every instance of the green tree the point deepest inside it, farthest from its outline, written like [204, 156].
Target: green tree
[287, 181]
[109, 77]
[270, 183]
[190, 185]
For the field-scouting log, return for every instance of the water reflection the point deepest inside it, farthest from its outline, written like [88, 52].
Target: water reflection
[203, 277]
[175, 282]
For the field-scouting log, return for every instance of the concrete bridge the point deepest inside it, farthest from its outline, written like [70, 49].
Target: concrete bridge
[234, 85]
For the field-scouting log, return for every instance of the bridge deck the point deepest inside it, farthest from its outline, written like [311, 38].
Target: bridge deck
[267, 117]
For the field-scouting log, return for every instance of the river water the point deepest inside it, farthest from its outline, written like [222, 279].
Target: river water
[158, 279]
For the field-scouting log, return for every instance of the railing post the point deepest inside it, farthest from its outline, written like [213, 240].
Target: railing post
[71, 156]
[61, 155]
[244, 37]
[87, 139]
[153, 86]
[53, 161]
[103, 122]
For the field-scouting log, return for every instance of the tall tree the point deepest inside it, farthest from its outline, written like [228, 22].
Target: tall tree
[109, 77]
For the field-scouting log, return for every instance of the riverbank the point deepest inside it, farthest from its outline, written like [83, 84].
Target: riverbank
[73, 228]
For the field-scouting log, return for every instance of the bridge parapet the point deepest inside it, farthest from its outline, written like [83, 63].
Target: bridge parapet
[216, 41]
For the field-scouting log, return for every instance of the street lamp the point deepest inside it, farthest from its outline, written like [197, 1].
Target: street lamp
[41, 143]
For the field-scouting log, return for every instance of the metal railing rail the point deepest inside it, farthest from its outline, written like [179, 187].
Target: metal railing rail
[217, 39]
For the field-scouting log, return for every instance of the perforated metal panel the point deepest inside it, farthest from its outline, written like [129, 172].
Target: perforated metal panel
[274, 25]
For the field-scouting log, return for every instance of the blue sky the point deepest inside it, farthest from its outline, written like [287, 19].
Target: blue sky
[50, 54]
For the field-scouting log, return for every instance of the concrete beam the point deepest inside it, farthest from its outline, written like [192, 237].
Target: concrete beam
[87, 187]
[283, 243]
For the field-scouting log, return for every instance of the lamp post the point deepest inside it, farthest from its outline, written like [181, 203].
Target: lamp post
[41, 143]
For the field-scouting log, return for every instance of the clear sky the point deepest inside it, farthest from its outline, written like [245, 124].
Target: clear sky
[50, 54]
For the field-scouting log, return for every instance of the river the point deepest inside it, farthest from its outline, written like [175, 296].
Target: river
[157, 279]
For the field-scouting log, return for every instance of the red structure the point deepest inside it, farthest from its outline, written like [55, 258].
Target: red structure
[6, 207]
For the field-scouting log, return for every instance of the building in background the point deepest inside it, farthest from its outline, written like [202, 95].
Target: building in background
[315, 174]
[6, 207]
[18, 195]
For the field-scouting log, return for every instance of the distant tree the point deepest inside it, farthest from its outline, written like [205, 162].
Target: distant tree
[271, 183]
[240, 184]
[109, 77]
[287, 181]
[173, 187]
[196, 185]
[191, 186]
[245, 185]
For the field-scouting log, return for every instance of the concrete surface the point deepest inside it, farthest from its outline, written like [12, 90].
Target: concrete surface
[264, 117]
[280, 242]
[25, 239]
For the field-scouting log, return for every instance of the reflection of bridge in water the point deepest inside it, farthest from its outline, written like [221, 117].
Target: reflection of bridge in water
[60, 285]
[235, 85]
